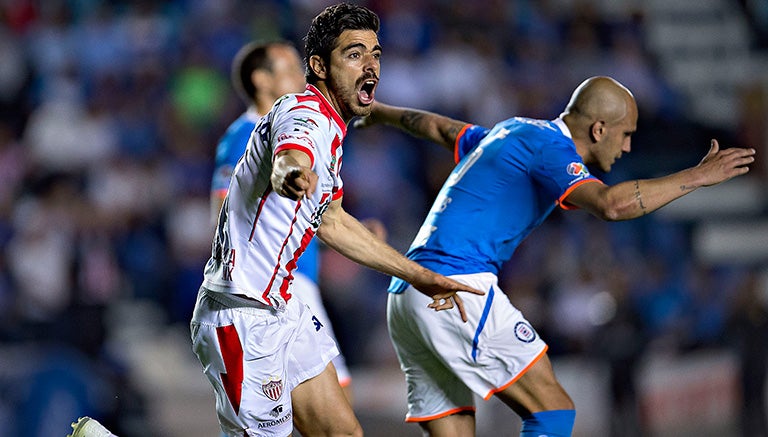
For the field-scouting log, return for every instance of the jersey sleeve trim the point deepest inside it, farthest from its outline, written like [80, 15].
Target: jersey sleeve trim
[338, 194]
[329, 108]
[565, 205]
[456, 157]
[294, 146]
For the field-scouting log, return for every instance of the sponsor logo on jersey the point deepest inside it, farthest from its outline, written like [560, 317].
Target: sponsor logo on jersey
[577, 169]
[273, 388]
[524, 332]
[276, 422]
[317, 323]
[301, 138]
[332, 166]
[277, 411]
[306, 121]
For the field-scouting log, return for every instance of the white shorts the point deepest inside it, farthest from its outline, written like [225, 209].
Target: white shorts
[254, 356]
[309, 292]
[445, 360]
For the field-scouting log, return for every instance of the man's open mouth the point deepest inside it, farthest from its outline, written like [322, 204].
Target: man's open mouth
[366, 91]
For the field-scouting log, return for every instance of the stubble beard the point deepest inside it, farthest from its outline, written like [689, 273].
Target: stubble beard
[346, 99]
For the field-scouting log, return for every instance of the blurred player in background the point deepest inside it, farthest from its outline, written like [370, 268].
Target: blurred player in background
[266, 355]
[262, 73]
[508, 180]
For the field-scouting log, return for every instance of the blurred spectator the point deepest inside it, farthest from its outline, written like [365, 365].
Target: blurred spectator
[108, 110]
[748, 323]
[620, 340]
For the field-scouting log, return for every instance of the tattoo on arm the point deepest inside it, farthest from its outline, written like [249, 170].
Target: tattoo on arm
[412, 122]
[639, 197]
[421, 124]
[453, 131]
[685, 188]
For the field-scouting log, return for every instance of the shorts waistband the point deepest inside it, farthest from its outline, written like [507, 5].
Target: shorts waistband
[237, 302]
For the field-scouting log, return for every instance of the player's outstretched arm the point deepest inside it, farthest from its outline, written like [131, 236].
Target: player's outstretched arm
[349, 237]
[292, 175]
[422, 124]
[631, 199]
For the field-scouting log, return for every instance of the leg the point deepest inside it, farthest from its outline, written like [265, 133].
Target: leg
[309, 293]
[347, 389]
[542, 403]
[461, 424]
[321, 409]
[537, 390]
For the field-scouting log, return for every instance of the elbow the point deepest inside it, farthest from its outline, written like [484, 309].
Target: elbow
[611, 215]
[611, 211]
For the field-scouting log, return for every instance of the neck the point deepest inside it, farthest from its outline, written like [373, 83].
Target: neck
[577, 136]
[263, 104]
[323, 88]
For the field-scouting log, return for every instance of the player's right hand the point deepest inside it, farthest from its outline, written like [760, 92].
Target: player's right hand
[297, 183]
[291, 179]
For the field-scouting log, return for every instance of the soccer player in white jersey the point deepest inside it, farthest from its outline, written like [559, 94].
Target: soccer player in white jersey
[262, 73]
[508, 179]
[265, 354]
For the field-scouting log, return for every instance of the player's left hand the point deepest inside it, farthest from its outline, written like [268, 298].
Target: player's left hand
[443, 292]
[370, 119]
[719, 165]
[363, 122]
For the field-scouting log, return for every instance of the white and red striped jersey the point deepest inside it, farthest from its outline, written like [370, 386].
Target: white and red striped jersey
[261, 234]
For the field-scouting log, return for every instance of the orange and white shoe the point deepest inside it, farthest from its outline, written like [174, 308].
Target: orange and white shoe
[88, 427]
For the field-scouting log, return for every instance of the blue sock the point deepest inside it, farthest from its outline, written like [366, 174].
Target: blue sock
[552, 423]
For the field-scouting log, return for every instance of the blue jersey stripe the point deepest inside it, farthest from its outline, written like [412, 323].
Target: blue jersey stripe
[481, 324]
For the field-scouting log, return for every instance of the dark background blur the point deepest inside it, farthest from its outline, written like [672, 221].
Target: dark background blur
[109, 115]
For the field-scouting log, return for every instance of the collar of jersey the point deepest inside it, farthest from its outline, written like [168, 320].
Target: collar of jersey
[329, 108]
[563, 127]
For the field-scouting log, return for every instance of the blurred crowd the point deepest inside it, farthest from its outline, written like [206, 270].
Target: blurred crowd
[109, 115]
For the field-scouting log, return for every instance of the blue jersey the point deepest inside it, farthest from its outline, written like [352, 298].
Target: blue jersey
[228, 152]
[507, 181]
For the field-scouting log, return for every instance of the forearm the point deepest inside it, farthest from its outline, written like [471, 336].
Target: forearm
[349, 237]
[422, 124]
[632, 199]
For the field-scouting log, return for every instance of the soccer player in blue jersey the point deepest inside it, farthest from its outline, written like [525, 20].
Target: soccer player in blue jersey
[262, 73]
[507, 181]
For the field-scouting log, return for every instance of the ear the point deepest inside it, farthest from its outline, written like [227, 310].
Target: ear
[596, 131]
[318, 66]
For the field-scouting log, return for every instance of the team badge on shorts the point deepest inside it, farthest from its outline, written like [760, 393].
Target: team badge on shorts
[524, 332]
[273, 389]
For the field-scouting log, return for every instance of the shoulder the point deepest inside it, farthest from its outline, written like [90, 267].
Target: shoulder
[304, 109]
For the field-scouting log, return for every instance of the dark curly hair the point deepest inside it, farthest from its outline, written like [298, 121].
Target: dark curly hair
[327, 26]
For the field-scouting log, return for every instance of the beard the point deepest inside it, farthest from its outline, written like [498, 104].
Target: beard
[346, 99]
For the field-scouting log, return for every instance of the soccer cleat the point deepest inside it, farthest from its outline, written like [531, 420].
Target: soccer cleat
[88, 427]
